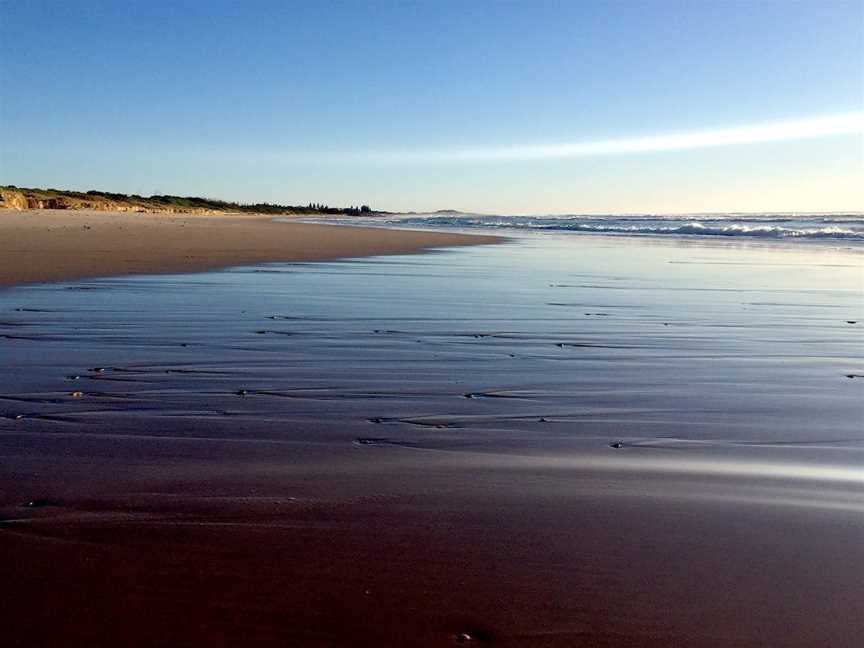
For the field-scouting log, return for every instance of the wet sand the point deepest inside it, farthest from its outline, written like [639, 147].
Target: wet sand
[53, 245]
[557, 442]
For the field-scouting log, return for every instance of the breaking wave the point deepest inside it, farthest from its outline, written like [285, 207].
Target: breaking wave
[845, 227]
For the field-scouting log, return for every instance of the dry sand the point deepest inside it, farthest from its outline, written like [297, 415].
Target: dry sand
[55, 245]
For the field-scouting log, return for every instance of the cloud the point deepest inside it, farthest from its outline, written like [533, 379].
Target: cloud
[811, 127]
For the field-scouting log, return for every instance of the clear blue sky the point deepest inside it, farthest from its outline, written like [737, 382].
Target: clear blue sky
[281, 101]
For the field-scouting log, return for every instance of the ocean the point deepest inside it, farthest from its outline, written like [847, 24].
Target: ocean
[846, 228]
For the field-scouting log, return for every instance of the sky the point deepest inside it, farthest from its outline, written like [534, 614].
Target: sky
[497, 107]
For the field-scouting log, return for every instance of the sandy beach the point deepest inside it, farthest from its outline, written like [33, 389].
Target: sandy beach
[432, 324]
[556, 442]
[50, 245]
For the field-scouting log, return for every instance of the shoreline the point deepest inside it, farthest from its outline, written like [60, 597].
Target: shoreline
[43, 245]
[556, 442]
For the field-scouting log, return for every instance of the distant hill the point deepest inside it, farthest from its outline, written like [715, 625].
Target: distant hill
[13, 197]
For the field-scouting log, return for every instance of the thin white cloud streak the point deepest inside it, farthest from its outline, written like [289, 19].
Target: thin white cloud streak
[812, 127]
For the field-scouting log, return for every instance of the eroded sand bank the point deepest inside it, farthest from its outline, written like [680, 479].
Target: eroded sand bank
[52, 245]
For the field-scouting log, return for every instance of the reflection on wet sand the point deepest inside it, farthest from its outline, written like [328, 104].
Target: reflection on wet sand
[443, 447]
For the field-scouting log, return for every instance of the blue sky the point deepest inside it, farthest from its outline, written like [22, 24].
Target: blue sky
[290, 102]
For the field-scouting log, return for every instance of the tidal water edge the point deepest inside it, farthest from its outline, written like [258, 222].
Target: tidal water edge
[564, 439]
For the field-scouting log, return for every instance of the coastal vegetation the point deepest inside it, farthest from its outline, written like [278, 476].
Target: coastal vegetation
[29, 198]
